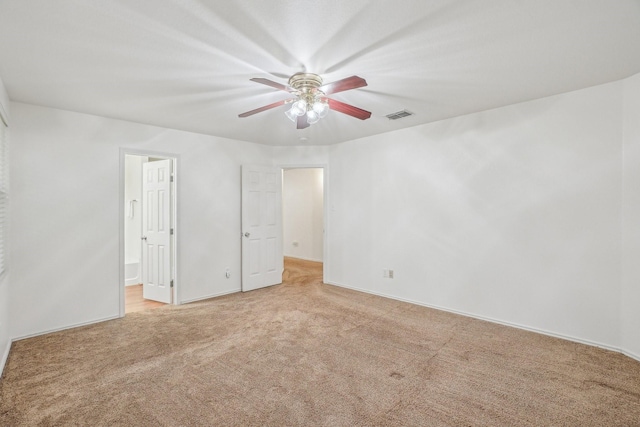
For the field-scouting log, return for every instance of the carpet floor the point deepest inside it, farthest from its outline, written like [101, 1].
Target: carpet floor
[308, 354]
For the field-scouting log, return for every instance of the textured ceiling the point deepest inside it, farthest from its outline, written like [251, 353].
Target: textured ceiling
[186, 64]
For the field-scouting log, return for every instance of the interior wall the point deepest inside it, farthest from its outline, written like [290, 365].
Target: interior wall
[4, 102]
[302, 212]
[630, 301]
[511, 214]
[5, 333]
[301, 155]
[66, 205]
[5, 336]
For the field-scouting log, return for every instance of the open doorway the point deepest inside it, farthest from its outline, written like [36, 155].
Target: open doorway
[303, 214]
[147, 232]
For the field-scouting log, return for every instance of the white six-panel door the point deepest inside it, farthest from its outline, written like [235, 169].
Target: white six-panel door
[262, 260]
[156, 230]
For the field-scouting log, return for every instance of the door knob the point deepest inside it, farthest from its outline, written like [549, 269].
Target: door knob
[143, 238]
[247, 234]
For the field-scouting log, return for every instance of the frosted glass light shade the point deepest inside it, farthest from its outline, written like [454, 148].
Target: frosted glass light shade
[291, 114]
[299, 107]
[312, 117]
[321, 108]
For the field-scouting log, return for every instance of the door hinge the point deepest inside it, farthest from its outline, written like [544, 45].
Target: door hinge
[171, 179]
[172, 283]
[171, 232]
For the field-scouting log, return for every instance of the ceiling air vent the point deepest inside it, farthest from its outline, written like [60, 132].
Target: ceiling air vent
[399, 115]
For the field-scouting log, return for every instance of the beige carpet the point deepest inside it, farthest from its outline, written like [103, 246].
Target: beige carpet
[304, 353]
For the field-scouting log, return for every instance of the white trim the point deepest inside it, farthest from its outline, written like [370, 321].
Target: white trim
[4, 104]
[64, 328]
[219, 294]
[630, 354]
[499, 322]
[4, 197]
[325, 207]
[5, 356]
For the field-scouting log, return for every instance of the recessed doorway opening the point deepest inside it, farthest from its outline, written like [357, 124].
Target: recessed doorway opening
[147, 231]
[303, 213]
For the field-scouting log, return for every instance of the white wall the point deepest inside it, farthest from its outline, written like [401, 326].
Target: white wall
[515, 214]
[630, 301]
[301, 156]
[5, 335]
[4, 102]
[511, 214]
[66, 206]
[302, 212]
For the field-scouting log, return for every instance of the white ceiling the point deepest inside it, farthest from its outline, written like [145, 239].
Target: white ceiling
[186, 64]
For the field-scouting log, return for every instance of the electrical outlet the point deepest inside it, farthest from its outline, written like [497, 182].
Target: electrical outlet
[295, 244]
[227, 273]
[390, 274]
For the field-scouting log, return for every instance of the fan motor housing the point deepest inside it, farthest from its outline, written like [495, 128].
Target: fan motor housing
[305, 82]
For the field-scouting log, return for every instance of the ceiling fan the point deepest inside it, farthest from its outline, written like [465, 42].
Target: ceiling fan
[310, 102]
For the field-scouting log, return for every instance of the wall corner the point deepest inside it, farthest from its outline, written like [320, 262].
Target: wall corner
[4, 103]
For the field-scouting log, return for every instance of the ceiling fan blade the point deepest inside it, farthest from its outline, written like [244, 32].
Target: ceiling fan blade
[265, 108]
[350, 110]
[271, 83]
[349, 83]
[302, 122]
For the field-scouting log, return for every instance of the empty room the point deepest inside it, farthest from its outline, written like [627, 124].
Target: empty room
[320, 213]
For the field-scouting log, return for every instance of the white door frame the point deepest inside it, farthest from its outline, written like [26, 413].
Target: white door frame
[325, 206]
[175, 297]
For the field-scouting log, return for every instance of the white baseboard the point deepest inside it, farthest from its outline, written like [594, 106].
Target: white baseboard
[500, 322]
[5, 356]
[303, 258]
[64, 328]
[219, 294]
[631, 354]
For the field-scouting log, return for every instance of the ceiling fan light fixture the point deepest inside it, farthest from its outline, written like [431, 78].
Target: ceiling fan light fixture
[291, 115]
[299, 107]
[321, 107]
[309, 98]
[312, 117]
